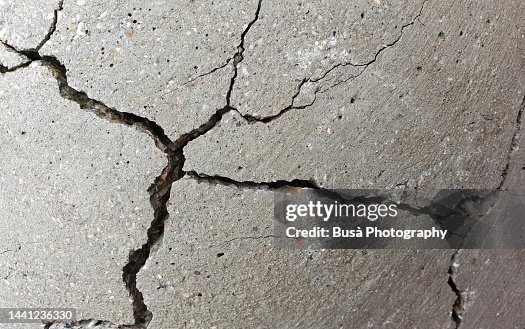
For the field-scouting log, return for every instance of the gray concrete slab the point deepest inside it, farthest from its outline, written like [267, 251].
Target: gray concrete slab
[152, 59]
[218, 268]
[74, 200]
[436, 109]
[369, 94]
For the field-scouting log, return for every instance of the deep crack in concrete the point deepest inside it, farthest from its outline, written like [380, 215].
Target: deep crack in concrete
[458, 308]
[160, 190]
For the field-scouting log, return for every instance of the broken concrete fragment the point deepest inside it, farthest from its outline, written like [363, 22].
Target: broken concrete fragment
[26, 24]
[74, 200]
[10, 59]
[436, 110]
[167, 61]
[217, 267]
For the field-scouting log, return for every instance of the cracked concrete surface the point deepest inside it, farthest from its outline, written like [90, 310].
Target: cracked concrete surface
[117, 51]
[10, 60]
[70, 208]
[449, 84]
[225, 273]
[27, 24]
[156, 210]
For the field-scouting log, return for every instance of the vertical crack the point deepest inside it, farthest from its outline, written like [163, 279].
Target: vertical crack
[514, 146]
[160, 192]
[239, 56]
[458, 308]
[53, 26]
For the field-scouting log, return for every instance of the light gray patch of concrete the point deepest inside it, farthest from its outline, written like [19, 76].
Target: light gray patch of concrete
[25, 24]
[437, 109]
[167, 61]
[295, 40]
[218, 268]
[74, 200]
[10, 59]
[492, 284]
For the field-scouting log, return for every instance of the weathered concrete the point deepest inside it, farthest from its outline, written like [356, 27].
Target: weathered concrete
[368, 94]
[217, 268]
[74, 200]
[436, 109]
[146, 58]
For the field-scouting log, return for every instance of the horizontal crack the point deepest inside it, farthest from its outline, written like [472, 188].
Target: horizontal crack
[88, 323]
[240, 238]
[275, 185]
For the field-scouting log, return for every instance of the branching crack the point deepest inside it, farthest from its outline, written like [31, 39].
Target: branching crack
[239, 56]
[159, 191]
[317, 89]
[24, 62]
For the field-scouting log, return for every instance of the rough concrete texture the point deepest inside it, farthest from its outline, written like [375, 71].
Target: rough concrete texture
[10, 59]
[283, 50]
[427, 112]
[490, 284]
[242, 98]
[217, 268]
[25, 24]
[163, 52]
[74, 200]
